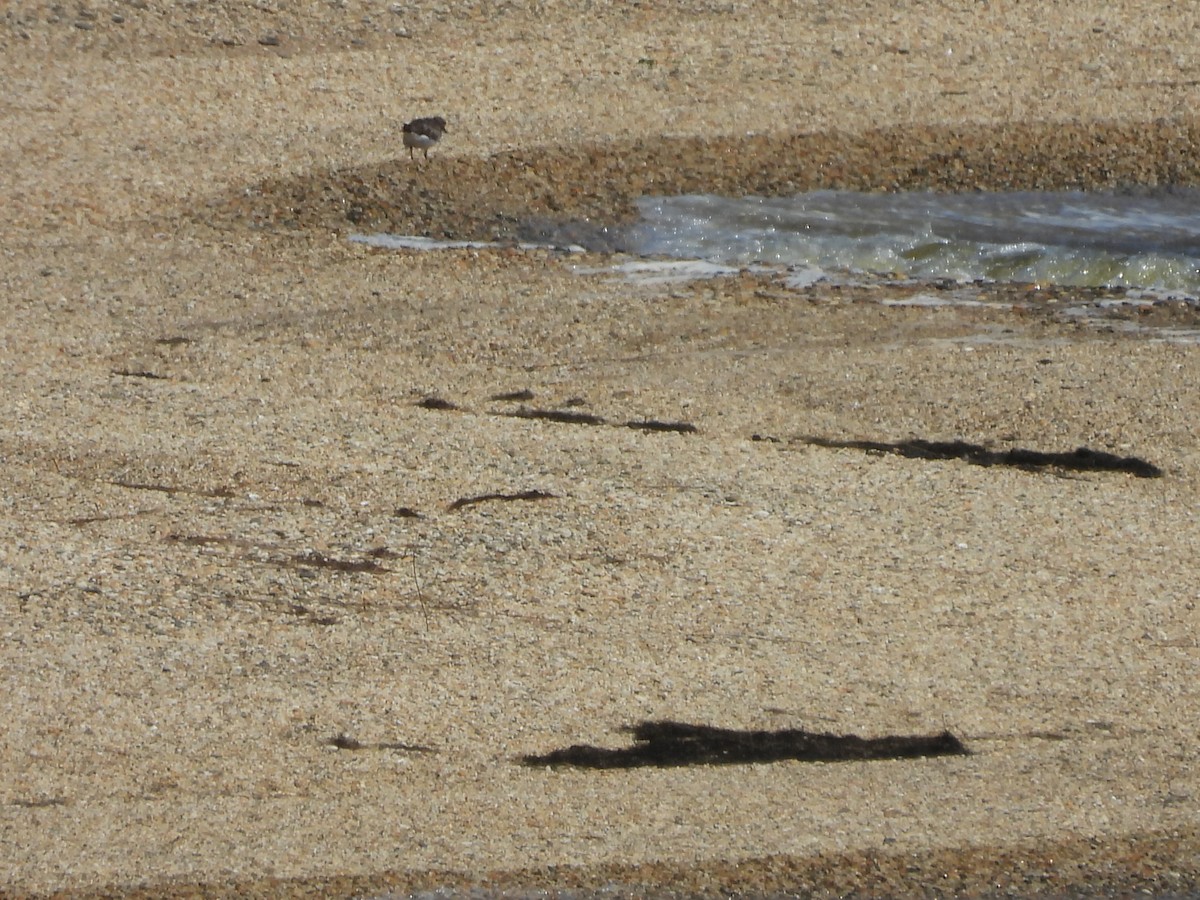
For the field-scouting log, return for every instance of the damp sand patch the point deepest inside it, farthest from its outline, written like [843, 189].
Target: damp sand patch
[516, 195]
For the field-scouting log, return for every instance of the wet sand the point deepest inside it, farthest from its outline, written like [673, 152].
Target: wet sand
[253, 644]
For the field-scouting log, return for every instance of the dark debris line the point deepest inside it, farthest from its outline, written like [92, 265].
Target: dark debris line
[319, 560]
[463, 502]
[562, 416]
[512, 396]
[657, 425]
[344, 741]
[672, 744]
[436, 403]
[1082, 459]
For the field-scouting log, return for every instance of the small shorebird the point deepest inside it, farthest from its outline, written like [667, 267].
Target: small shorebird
[423, 133]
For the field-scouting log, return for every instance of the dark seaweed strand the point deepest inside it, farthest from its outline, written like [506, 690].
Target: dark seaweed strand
[1082, 459]
[463, 502]
[435, 403]
[673, 744]
[566, 417]
[512, 396]
[656, 425]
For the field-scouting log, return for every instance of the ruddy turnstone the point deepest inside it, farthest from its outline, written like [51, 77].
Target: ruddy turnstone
[423, 133]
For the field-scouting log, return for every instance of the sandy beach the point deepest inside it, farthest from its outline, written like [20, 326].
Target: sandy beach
[305, 545]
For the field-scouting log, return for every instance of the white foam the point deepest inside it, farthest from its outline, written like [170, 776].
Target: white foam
[799, 277]
[1067, 238]
[664, 271]
[416, 242]
[413, 242]
[931, 300]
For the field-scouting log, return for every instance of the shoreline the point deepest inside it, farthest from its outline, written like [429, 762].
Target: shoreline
[508, 196]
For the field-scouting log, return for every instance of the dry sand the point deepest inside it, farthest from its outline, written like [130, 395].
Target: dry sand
[213, 451]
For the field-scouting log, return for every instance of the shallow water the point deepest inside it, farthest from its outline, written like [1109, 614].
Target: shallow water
[1141, 239]
[1124, 253]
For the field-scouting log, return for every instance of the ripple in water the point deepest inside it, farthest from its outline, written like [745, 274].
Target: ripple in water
[1142, 239]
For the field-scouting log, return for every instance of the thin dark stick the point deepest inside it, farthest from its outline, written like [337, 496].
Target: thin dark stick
[417, 582]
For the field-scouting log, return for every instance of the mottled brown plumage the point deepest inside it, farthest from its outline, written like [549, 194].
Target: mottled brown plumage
[423, 134]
